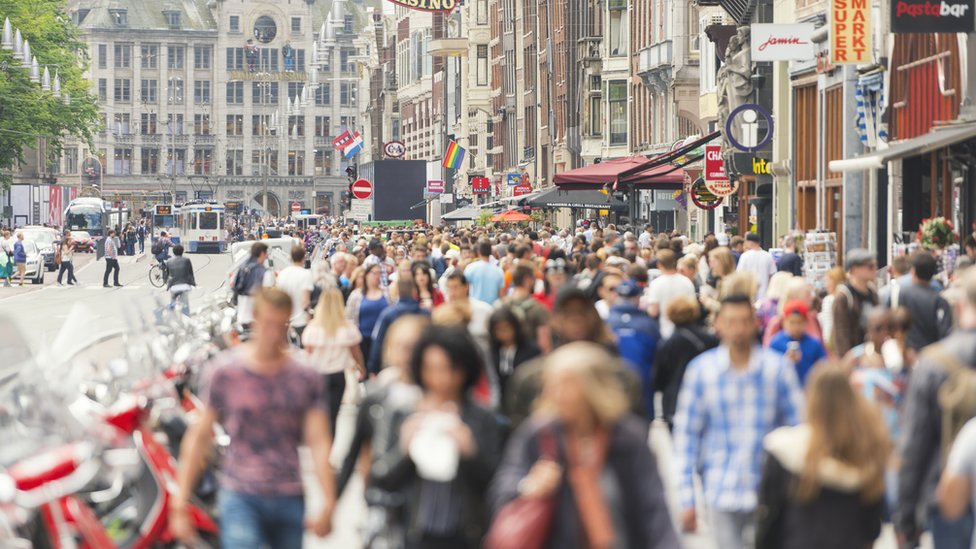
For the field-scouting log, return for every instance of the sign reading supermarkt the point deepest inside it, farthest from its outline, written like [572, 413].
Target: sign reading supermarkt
[428, 5]
[773, 42]
[912, 16]
[850, 32]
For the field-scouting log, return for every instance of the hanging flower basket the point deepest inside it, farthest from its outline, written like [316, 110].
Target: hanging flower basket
[936, 233]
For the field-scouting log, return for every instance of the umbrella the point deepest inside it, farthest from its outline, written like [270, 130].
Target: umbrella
[511, 216]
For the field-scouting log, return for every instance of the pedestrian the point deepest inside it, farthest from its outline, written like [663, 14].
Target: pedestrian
[583, 451]
[296, 281]
[333, 342]
[823, 481]
[731, 397]
[533, 314]
[854, 300]
[510, 346]
[790, 261]
[757, 261]
[20, 257]
[637, 338]
[111, 259]
[955, 492]
[7, 250]
[366, 303]
[930, 312]
[141, 233]
[130, 240]
[377, 256]
[441, 455]
[929, 427]
[666, 287]
[832, 280]
[429, 295]
[269, 403]
[65, 259]
[801, 349]
[487, 281]
[180, 280]
[406, 305]
[249, 279]
[160, 249]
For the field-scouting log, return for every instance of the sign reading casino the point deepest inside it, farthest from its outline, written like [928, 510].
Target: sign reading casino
[445, 6]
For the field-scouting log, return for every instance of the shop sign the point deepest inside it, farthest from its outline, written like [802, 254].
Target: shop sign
[714, 164]
[480, 185]
[513, 179]
[916, 16]
[761, 166]
[435, 186]
[522, 189]
[778, 42]
[395, 149]
[747, 117]
[850, 32]
[443, 6]
[702, 197]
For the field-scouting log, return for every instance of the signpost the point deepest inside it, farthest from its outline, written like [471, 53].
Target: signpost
[435, 186]
[296, 207]
[362, 189]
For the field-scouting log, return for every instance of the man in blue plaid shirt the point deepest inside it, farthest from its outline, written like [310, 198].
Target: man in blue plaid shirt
[731, 397]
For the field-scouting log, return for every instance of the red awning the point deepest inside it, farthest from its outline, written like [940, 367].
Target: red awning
[662, 176]
[595, 176]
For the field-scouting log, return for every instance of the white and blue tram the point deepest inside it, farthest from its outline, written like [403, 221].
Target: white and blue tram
[201, 226]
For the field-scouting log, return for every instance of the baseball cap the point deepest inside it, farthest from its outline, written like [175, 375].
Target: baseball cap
[796, 307]
[858, 257]
[753, 237]
[628, 288]
[723, 239]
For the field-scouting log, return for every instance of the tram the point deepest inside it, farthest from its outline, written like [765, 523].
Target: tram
[201, 226]
[164, 219]
[94, 216]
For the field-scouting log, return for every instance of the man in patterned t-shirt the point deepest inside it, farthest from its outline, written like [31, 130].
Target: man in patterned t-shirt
[269, 403]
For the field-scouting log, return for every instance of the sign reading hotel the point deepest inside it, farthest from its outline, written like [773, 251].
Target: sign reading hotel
[915, 16]
[445, 6]
[850, 32]
[774, 42]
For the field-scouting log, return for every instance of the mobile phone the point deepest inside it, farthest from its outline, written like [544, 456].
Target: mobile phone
[793, 346]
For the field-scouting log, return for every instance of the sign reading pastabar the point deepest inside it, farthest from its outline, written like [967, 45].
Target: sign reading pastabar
[915, 16]
[775, 42]
[445, 6]
[850, 32]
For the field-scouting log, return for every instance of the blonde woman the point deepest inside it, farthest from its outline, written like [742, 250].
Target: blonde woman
[604, 478]
[823, 482]
[333, 342]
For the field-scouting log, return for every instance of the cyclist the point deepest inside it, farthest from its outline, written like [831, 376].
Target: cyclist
[160, 250]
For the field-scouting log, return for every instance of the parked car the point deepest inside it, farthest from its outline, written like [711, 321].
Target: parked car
[34, 269]
[83, 241]
[47, 240]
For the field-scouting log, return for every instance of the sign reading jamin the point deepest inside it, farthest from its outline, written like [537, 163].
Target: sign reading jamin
[850, 32]
[445, 6]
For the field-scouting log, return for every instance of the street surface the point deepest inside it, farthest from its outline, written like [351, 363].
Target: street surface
[42, 311]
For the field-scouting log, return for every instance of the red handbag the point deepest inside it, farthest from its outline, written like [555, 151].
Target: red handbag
[525, 523]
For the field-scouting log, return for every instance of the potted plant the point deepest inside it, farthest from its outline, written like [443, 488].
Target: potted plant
[936, 234]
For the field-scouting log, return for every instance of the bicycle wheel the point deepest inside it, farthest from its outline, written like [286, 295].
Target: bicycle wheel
[156, 276]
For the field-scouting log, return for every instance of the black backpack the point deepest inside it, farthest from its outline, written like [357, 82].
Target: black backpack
[157, 247]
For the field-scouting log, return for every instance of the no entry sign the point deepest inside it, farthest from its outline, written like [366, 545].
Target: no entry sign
[362, 189]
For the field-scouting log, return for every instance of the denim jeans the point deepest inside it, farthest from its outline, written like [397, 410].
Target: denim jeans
[954, 534]
[255, 522]
[181, 300]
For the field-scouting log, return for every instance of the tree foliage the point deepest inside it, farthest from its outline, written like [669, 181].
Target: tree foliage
[26, 112]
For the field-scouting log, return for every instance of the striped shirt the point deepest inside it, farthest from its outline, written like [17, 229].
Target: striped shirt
[111, 247]
[722, 416]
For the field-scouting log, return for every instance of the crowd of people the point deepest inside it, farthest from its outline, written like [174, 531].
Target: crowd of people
[493, 370]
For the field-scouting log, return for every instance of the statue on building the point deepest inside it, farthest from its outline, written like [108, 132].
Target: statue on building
[734, 80]
[288, 54]
[251, 55]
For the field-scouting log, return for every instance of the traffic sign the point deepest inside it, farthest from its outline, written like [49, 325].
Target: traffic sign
[435, 186]
[362, 189]
[296, 207]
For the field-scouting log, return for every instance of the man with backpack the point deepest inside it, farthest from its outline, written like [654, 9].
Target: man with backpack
[251, 277]
[141, 233]
[160, 249]
[941, 398]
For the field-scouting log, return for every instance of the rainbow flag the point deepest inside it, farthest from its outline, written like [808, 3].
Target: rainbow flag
[453, 156]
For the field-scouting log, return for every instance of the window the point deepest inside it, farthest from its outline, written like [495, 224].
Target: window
[148, 124]
[261, 124]
[482, 8]
[123, 56]
[347, 94]
[149, 91]
[150, 161]
[617, 45]
[235, 124]
[103, 89]
[201, 92]
[344, 65]
[120, 17]
[296, 162]
[174, 92]
[296, 126]
[323, 162]
[234, 23]
[295, 90]
[269, 59]
[176, 162]
[201, 124]
[296, 24]
[323, 126]
[123, 90]
[70, 160]
[102, 123]
[173, 19]
[694, 31]
[264, 93]
[149, 56]
[235, 59]
[175, 57]
[617, 96]
[123, 162]
[121, 124]
[103, 56]
[174, 124]
[264, 162]
[482, 67]
[235, 93]
[323, 95]
[347, 24]
[201, 57]
[202, 161]
[265, 29]
[234, 163]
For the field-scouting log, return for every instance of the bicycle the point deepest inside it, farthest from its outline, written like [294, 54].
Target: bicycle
[157, 274]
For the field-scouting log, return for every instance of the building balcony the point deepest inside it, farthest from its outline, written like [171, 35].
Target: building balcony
[589, 48]
[655, 65]
[151, 138]
[124, 137]
[449, 47]
[206, 139]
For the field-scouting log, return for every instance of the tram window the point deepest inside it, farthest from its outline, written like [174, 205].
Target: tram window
[193, 221]
[208, 221]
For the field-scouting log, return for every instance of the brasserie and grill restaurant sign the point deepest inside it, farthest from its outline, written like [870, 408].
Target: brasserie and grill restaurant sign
[445, 6]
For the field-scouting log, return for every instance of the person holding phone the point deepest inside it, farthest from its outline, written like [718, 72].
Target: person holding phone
[800, 348]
